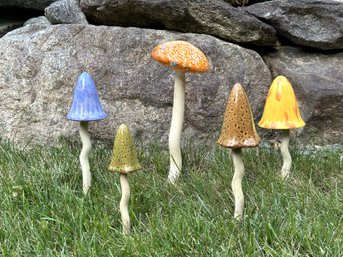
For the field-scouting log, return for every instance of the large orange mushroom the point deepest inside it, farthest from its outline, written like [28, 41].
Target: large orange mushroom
[238, 131]
[182, 57]
[281, 111]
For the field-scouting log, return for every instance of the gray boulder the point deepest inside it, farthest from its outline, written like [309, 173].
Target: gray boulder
[317, 80]
[29, 4]
[312, 23]
[213, 17]
[65, 12]
[39, 69]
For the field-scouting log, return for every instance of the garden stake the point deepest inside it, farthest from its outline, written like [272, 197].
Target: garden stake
[182, 57]
[85, 107]
[124, 161]
[281, 111]
[238, 131]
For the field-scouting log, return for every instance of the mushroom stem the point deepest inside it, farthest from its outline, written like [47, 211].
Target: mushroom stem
[236, 183]
[86, 147]
[123, 206]
[176, 127]
[287, 159]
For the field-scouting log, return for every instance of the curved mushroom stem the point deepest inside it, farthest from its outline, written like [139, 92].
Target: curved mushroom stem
[287, 159]
[176, 127]
[123, 206]
[86, 147]
[236, 183]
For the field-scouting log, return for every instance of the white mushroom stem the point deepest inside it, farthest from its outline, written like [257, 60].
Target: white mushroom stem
[176, 127]
[124, 202]
[86, 147]
[287, 159]
[236, 183]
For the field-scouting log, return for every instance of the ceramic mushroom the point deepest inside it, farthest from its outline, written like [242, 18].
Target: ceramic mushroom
[281, 111]
[124, 161]
[85, 107]
[182, 57]
[238, 131]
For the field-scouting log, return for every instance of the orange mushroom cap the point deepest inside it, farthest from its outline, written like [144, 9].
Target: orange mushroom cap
[181, 55]
[238, 128]
[281, 109]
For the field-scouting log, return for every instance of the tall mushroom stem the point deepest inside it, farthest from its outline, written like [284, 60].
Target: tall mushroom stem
[287, 159]
[176, 127]
[86, 147]
[123, 206]
[236, 183]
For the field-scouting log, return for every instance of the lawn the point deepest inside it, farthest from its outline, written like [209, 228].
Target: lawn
[44, 212]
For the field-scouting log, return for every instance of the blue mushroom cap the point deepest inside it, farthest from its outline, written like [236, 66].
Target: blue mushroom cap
[86, 104]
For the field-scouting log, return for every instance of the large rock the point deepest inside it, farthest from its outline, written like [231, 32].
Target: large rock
[65, 12]
[29, 4]
[317, 80]
[317, 24]
[213, 17]
[39, 69]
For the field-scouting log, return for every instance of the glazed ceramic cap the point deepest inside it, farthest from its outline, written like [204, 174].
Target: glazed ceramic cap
[181, 55]
[281, 110]
[86, 104]
[238, 128]
[124, 157]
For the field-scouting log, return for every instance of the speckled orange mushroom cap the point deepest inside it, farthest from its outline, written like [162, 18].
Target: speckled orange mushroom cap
[238, 128]
[281, 109]
[181, 55]
[124, 157]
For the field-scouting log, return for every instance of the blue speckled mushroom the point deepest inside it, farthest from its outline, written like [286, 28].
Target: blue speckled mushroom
[86, 104]
[85, 107]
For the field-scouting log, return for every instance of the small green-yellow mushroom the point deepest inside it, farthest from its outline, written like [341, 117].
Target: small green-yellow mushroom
[124, 157]
[124, 161]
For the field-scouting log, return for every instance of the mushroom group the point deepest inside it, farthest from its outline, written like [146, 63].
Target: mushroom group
[124, 161]
[85, 107]
[182, 57]
[238, 131]
[281, 111]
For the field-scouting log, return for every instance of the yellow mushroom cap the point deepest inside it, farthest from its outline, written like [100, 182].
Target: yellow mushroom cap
[281, 109]
[238, 128]
[124, 156]
[181, 55]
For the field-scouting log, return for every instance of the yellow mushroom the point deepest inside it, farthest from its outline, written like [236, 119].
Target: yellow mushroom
[281, 111]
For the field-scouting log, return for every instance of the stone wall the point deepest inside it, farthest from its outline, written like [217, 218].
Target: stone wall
[112, 40]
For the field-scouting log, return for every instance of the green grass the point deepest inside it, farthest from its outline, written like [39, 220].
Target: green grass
[44, 213]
